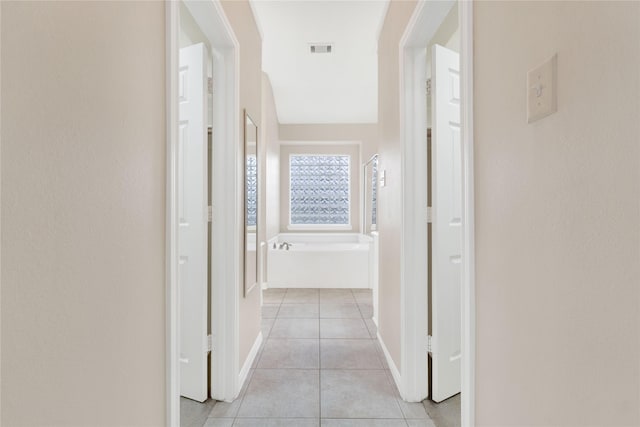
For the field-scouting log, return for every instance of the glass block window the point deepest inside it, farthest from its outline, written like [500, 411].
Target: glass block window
[374, 192]
[252, 189]
[319, 189]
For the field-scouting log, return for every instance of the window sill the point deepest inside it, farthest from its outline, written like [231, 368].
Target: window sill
[319, 227]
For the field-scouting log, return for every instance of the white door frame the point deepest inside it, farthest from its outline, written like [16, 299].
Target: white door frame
[424, 22]
[225, 254]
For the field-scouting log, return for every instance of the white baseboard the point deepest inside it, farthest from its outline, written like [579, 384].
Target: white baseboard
[244, 372]
[392, 366]
[375, 321]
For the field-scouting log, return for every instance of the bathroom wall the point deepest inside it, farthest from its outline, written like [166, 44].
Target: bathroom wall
[366, 133]
[389, 196]
[83, 213]
[558, 216]
[270, 190]
[244, 26]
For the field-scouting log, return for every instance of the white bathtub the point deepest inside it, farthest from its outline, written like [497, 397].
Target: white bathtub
[320, 260]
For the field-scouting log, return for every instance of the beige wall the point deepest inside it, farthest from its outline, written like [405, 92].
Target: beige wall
[270, 190]
[83, 214]
[389, 197]
[557, 216]
[244, 26]
[366, 134]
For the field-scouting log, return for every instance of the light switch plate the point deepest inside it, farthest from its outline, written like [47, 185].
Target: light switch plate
[541, 90]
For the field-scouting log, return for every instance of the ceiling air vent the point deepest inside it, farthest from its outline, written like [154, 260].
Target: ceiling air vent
[320, 47]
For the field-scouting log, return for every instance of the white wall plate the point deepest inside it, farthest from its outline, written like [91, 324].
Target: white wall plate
[541, 90]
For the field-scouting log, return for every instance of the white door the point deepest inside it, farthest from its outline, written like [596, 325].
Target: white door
[192, 217]
[446, 181]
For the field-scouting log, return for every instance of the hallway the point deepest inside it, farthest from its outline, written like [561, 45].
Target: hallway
[320, 364]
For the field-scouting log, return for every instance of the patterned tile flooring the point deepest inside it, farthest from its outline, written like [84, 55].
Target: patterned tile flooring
[320, 365]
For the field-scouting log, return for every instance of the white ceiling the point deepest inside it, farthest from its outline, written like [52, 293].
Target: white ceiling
[338, 87]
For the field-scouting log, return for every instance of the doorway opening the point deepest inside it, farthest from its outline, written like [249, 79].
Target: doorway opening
[202, 114]
[436, 121]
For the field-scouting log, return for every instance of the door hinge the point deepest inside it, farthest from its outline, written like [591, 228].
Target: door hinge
[210, 85]
[428, 86]
[209, 342]
[429, 214]
[210, 213]
[429, 344]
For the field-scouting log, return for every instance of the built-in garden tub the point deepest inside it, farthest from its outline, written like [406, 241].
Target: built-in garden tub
[319, 260]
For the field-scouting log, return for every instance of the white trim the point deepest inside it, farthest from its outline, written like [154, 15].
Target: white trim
[262, 264]
[375, 275]
[413, 249]
[468, 398]
[395, 373]
[172, 13]
[225, 254]
[414, 227]
[319, 143]
[226, 182]
[251, 357]
[320, 227]
[425, 20]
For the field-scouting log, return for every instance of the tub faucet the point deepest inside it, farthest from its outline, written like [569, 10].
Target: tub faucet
[285, 245]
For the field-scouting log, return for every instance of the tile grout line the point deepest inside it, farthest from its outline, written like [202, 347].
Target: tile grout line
[280, 305]
[390, 382]
[242, 399]
[319, 343]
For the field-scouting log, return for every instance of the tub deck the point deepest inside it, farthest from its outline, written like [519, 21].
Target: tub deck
[327, 260]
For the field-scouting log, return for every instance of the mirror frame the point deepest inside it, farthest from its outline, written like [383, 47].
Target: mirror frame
[245, 286]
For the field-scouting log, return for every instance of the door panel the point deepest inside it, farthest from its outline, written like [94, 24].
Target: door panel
[446, 176]
[192, 222]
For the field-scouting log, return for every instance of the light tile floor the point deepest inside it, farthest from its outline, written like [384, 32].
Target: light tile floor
[444, 414]
[320, 365]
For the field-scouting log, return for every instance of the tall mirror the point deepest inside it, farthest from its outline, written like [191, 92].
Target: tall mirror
[250, 204]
